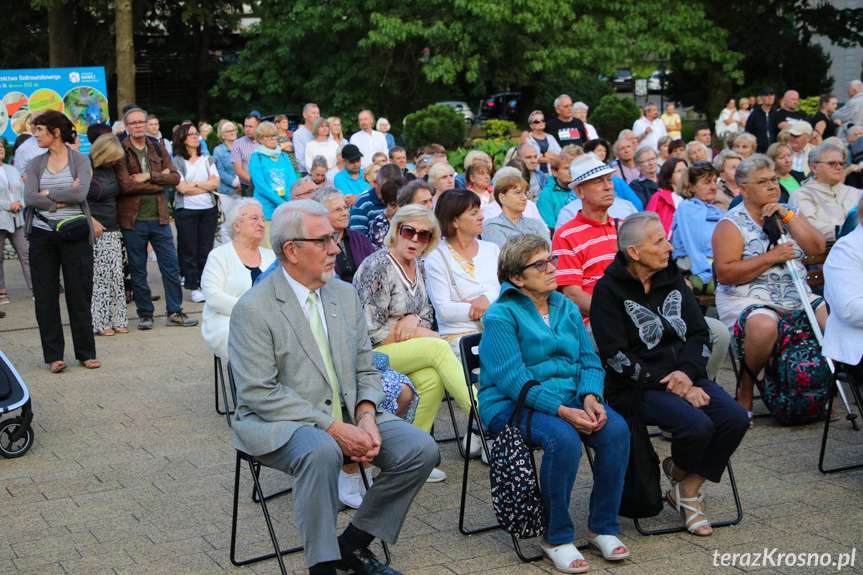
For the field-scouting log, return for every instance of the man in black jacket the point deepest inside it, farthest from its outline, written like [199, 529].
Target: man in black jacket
[760, 121]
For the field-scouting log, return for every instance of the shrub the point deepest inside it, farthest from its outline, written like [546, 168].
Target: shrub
[809, 106]
[435, 125]
[496, 148]
[498, 128]
[613, 115]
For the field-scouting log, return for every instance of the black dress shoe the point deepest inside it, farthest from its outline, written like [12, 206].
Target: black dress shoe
[363, 562]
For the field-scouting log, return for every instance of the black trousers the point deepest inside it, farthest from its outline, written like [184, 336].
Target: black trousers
[48, 255]
[196, 230]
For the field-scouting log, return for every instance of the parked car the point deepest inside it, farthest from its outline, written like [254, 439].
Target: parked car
[502, 106]
[623, 80]
[462, 108]
[654, 83]
[294, 120]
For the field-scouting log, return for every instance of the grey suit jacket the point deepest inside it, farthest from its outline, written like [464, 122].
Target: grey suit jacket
[279, 371]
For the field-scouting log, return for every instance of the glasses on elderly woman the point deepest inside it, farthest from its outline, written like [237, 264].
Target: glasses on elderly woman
[409, 233]
[542, 265]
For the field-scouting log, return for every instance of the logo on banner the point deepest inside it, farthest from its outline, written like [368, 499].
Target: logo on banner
[74, 77]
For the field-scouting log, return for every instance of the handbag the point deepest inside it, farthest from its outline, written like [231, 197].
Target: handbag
[642, 496]
[69, 229]
[515, 493]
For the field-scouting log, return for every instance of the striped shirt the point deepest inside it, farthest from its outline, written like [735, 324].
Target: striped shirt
[584, 248]
[242, 150]
[62, 180]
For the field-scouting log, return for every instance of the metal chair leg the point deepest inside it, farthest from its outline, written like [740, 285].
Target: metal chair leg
[220, 389]
[384, 545]
[277, 554]
[457, 436]
[856, 393]
[679, 529]
[470, 419]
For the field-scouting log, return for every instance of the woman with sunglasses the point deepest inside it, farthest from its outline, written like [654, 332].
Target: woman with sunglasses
[392, 287]
[541, 140]
[533, 332]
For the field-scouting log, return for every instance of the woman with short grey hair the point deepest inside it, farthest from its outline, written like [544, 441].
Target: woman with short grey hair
[655, 344]
[318, 170]
[535, 333]
[231, 271]
[726, 187]
[696, 152]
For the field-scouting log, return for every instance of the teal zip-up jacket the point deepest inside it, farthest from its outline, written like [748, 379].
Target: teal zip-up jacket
[517, 346]
[551, 201]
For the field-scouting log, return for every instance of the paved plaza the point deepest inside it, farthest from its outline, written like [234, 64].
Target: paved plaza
[131, 473]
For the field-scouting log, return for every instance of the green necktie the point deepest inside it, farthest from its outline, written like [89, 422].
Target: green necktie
[320, 334]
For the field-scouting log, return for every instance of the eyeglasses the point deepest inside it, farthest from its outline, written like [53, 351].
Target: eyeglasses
[774, 181]
[324, 241]
[515, 192]
[192, 134]
[340, 209]
[650, 161]
[231, 131]
[833, 165]
[542, 265]
[135, 124]
[409, 233]
[305, 194]
[268, 137]
[538, 121]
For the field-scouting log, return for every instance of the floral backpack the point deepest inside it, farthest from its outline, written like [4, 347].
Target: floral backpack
[797, 378]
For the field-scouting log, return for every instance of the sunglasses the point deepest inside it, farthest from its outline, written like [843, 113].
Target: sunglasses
[538, 121]
[542, 265]
[409, 233]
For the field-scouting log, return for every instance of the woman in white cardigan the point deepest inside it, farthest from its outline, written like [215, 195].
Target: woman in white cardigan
[843, 275]
[12, 221]
[231, 270]
[461, 273]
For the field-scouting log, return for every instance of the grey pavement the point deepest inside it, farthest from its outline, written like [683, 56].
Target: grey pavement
[132, 471]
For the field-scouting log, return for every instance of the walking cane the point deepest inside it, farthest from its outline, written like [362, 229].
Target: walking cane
[813, 321]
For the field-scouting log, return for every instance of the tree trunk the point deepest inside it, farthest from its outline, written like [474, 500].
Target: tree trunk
[125, 56]
[203, 76]
[61, 40]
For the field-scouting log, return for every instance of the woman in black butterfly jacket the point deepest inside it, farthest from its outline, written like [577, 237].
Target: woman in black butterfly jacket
[653, 337]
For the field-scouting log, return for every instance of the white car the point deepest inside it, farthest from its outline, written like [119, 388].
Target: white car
[654, 83]
[461, 108]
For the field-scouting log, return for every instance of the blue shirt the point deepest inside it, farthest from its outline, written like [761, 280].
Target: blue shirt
[367, 206]
[349, 186]
[692, 232]
[222, 155]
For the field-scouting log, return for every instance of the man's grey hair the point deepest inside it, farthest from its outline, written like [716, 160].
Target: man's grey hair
[319, 162]
[516, 254]
[856, 84]
[650, 105]
[505, 171]
[339, 150]
[289, 221]
[134, 110]
[524, 147]
[407, 193]
[724, 156]
[327, 194]
[295, 187]
[632, 231]
[623, 134]
[560, 98]
[580, 106]
[816, 153]
[750, 165]
[309, 106]
[641, 151]
[619, 140]
[238, 212]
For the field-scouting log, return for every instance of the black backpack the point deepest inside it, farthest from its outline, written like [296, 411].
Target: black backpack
[515, 493]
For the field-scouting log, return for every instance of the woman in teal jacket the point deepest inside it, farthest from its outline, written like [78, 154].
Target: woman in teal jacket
[272, 172]
[533, 332]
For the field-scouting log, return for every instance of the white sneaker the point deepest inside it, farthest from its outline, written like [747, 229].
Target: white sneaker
[475, 444]
[484, 457]
[349, 489]
[198, 296]
[436, 476]
[151, 256]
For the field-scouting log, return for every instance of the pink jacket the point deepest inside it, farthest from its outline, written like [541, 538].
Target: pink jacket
[663, 204]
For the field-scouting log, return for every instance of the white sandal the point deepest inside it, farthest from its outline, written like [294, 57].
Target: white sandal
[679, 504]
[562, 556]
[605, 545]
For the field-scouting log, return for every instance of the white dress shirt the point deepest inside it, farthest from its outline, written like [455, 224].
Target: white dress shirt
[369, 145]
[302, 293]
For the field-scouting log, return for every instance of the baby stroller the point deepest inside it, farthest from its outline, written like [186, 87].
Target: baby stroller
[16, 434]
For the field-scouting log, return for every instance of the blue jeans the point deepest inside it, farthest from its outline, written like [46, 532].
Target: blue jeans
[702, 440]
[162, 240]
[561, 445]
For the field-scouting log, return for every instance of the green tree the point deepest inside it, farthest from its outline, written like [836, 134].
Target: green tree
[435, 125]
[613, 115]
[396, 56]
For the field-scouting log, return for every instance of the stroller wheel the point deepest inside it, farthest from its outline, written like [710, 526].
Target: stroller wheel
[11, 449]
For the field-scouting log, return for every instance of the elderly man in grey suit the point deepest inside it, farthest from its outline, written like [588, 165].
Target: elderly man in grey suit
[309, 396]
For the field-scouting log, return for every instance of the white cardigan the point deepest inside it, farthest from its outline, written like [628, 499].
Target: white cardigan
[224, 280]
[453, 315]
[843, 275]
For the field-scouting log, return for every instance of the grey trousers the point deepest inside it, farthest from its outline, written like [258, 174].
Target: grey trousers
[314, 459]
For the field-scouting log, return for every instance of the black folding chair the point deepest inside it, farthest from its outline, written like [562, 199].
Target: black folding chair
[857, 393]
[470, 363]
[261, 499]
[219, 389]
[456, 434]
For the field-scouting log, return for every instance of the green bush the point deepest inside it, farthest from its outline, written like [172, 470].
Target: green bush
[809, 106]
[498, 128]
[214, 140]
[613, 115]
[435, 125]
[496, 148]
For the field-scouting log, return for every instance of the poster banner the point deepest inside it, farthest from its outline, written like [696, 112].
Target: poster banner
[80, 93]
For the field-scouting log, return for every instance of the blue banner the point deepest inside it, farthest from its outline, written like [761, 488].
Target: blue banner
[80, 93]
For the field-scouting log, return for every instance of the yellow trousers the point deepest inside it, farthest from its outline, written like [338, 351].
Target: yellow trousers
[432, 368]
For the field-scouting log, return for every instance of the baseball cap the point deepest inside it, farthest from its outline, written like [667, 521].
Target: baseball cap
[351, 153]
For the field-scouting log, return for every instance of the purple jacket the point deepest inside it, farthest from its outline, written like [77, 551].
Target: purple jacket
[361, 248]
